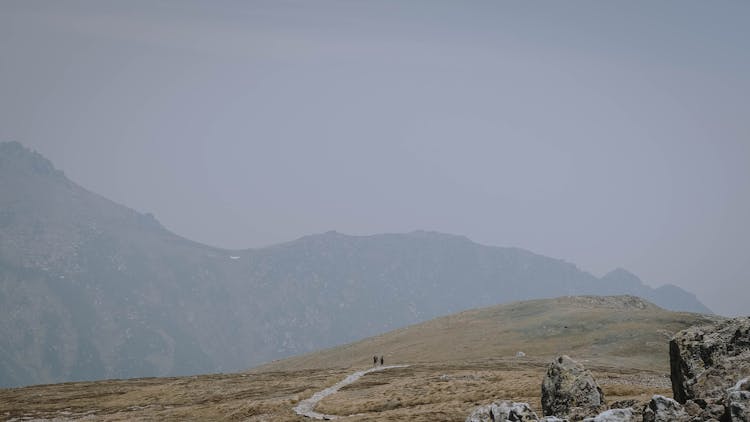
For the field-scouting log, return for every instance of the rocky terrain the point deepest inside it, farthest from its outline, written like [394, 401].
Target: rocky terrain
[90, 289]
[709, 375]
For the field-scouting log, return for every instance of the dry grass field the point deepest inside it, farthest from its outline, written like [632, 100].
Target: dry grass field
[421, 392]
[456, 363]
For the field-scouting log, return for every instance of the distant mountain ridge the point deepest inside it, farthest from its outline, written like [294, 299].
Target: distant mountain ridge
[91, 289]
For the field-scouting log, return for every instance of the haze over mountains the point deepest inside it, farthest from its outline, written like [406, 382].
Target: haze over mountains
[91, 289]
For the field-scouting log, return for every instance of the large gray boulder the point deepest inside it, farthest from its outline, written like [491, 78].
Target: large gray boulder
[568, 386]
[707, 360]
[663, 409]
[502, 411]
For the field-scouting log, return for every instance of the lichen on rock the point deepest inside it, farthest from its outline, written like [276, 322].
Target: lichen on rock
[568, 386]
[706, 360]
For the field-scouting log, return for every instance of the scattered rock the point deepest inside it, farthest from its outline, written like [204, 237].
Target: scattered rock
[625, 404]
[693, 409]
[635, 406]
[480, 414]
[511, 411]
[568, 385]
[713, 412]
[707, 410]
[502, 411]
[580, 413]
[663, 409]
[614, 415]
[737, 402]
[705, 363]
[706, 360]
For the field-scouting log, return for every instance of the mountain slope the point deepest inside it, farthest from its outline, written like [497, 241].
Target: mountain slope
[91, 289]
[619, 331]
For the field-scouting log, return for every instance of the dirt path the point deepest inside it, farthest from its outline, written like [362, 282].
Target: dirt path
[306, 407]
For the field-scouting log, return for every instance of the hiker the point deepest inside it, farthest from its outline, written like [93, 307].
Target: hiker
[381, 361]
[374, 361]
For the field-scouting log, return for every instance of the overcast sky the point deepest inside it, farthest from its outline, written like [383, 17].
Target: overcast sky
[608, 134]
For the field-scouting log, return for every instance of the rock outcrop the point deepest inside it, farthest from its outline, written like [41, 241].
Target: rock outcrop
[707, 360]
[568, 388]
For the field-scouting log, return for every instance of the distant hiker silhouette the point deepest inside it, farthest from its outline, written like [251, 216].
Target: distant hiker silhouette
[374, 361]
[381, 360]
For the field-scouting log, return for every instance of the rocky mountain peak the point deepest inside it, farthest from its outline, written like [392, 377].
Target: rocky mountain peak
[623, 276]
[15, 157]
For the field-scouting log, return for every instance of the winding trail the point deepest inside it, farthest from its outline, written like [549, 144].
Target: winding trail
[306, 407]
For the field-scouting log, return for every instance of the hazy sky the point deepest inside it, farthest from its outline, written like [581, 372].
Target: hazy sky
[608, 134]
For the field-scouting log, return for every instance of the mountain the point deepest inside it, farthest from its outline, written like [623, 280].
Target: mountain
[91, 289]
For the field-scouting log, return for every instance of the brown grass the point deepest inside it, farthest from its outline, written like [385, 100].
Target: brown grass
[597, 330]
[422, 392]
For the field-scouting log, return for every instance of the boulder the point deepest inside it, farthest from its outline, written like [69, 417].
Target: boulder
[480, 414]
[614, 415]
[502, 411]
[706, 360]
[663, 409]
[635, 406]
[712, 412]
[705, 410]
[737, 402]
[510, 411]
[693, 409]
[568, 385]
